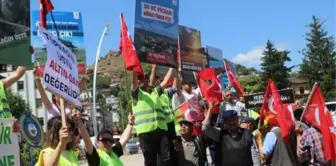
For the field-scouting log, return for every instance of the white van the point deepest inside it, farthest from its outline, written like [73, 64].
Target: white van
[332, 108]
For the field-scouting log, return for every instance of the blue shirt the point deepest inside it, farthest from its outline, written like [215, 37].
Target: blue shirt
[269, 143]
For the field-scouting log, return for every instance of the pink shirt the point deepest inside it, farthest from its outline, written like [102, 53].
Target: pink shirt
[54, 111]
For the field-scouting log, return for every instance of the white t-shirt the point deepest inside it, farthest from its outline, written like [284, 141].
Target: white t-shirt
[178, 100]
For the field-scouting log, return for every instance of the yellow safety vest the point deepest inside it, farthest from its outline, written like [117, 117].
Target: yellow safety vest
[167, 106]
[67, 158]
[4, 107]
[148, 112]
[109, 160]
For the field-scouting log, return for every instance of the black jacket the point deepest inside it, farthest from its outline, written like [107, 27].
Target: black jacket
[201, 142]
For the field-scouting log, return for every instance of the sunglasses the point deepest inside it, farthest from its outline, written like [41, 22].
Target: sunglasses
[107, 140]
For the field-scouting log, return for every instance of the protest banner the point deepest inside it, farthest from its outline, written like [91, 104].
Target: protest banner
[15, 33]
[215, 59]
[190, 49]
[256, 99]
[71, 34]
[61, 74]
[9, 144]
[205, 58]
[156, 31]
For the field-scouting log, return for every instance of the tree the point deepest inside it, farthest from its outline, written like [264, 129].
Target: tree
[17, 105]
[125, 100]
[319, 59]
[273, 66]
[125, 108]
[252, 83]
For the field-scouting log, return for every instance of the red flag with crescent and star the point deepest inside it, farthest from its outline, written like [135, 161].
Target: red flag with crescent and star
[191, 111]
[316, 114]
[233, 80]
[128, 51]
[273, 105]
[45, 7]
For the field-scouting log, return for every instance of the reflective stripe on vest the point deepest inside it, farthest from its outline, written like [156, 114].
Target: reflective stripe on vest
[148, 112]
[4, 106]
[142, 121]
[166, 106]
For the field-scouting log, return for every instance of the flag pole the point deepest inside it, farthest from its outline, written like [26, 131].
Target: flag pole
[94, 109]
[227, 74]
[309, 98]
[53, 19]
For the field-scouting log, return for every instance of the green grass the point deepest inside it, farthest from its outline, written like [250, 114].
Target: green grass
[41, 56]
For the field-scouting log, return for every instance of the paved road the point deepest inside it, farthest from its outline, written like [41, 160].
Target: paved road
[133, 160]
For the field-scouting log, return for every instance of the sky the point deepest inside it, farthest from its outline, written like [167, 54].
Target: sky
[240, 28]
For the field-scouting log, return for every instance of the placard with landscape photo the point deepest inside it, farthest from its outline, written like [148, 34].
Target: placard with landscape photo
[15, 32]
[156, 31]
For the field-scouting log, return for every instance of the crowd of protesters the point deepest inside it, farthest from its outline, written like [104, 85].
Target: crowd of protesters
[230, 131]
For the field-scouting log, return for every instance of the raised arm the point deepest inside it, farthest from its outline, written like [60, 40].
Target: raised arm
[126, 135]
[179, 82]
[84, 134]
[9, 81]
[167, 78]
[209, 130]
[134, 81]
[53, 159]
[152, 76]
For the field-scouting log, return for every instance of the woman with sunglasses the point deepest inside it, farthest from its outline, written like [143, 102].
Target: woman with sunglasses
[108, 153]
[59, 148]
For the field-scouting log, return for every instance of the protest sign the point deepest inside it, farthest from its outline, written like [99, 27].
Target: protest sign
[9, 144]
[156, 31]
[205, 58]
[61, 74]
[71, 34]
[15, 33]
[190, 49]
[256, 99]
[215, 57]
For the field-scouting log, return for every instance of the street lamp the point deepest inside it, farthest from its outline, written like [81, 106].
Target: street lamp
[94, 81]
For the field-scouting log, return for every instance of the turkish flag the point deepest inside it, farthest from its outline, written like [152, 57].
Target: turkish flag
[273, 105]
[45, 7]
[128, 51]
[316, 114]
[233, 80]
[210, 85]
[191, 111]
[170, 82]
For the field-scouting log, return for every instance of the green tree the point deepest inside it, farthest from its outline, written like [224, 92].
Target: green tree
[319, 59]
[252, 83]
[273, 66]
[17, 105]
[125, 108]
[147, 68]
[125, 100]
